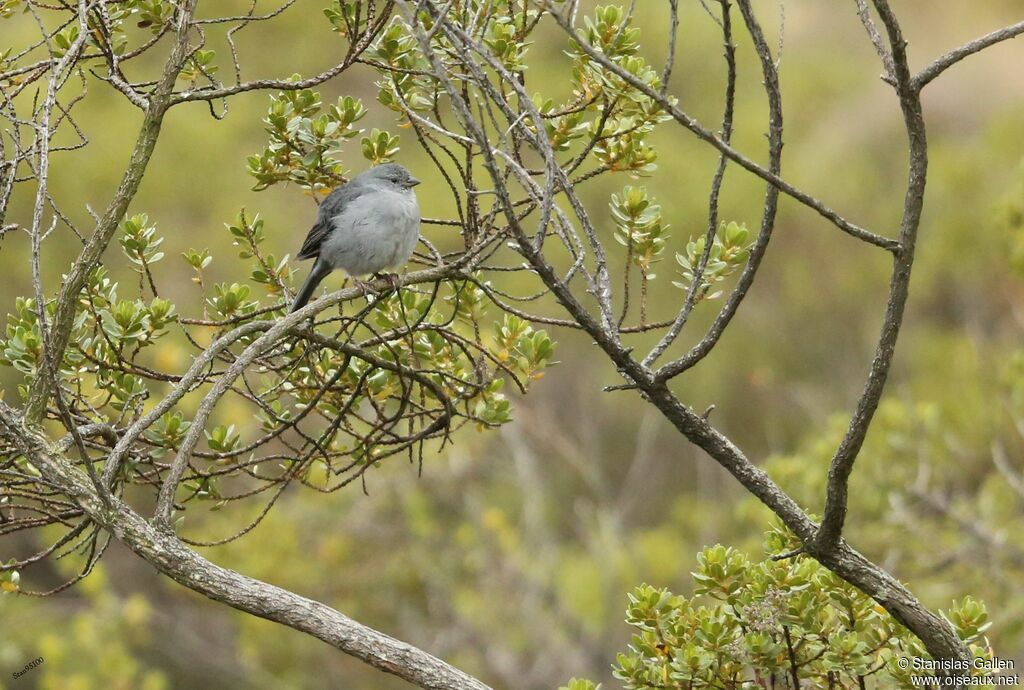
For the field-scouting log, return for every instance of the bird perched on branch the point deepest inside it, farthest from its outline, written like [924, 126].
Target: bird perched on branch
[370, 224]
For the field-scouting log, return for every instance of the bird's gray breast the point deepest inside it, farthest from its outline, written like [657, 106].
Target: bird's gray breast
[376, 231]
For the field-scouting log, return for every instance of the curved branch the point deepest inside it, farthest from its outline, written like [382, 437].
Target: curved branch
[71, 288]
[713, 200]
[697, 430]
[771, 204]
[846, 454]
[355, 50]
[936, 633]
[174, 559]
[938, 636]
[943, 63]
[710, 137]
[274, 330]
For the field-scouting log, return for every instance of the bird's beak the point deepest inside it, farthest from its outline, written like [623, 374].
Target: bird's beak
[413, 182]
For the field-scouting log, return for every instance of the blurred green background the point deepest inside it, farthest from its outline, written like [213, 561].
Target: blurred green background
[511, 556]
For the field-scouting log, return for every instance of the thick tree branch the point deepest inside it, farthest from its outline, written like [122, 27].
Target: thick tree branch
[172, 558]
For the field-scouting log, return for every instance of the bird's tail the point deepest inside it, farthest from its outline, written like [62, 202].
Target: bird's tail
[318, 273]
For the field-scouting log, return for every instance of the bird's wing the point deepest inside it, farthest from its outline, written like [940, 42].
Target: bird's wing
[315, 238]
[332, 207]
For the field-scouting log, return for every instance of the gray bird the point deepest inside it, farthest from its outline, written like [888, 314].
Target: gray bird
[370, 224]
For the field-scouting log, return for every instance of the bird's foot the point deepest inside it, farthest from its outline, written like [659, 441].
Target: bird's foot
[393, 279]
[363, 287]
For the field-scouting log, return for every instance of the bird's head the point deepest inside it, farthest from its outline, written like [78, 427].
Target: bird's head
[392, 174]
